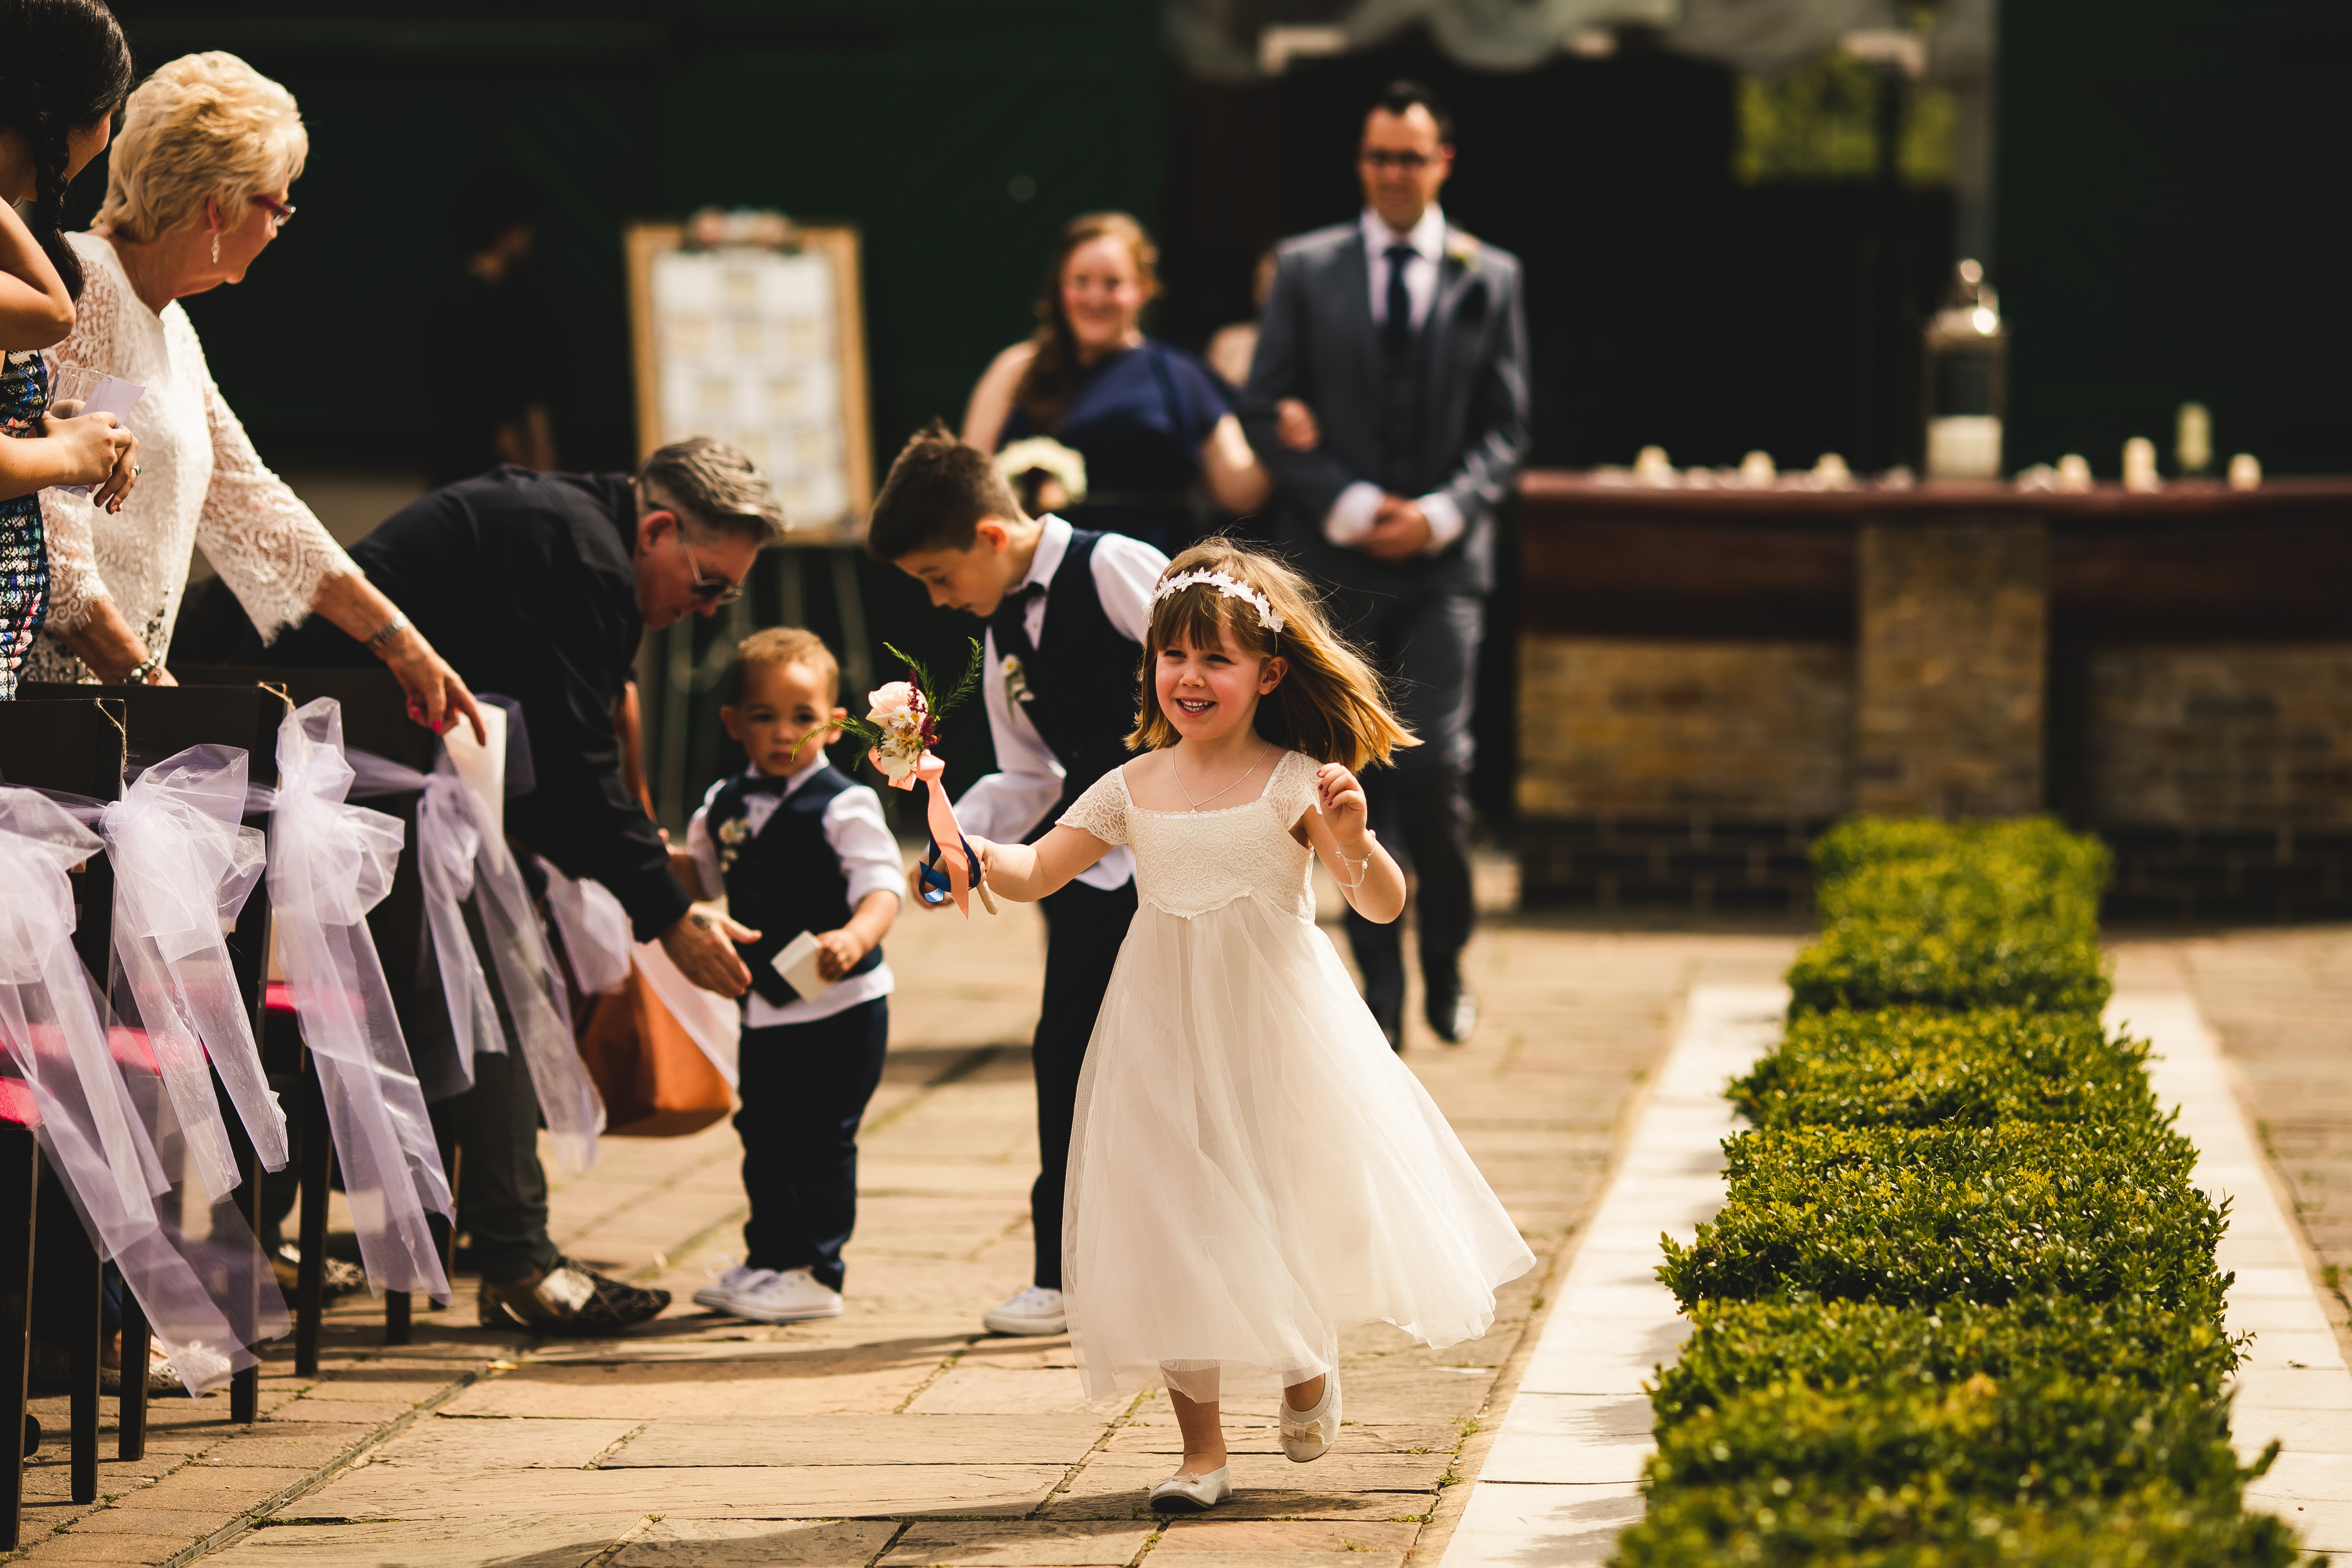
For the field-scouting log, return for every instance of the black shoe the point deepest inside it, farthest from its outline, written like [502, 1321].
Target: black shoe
[568, 1299]
[1389, 1013]
[1454, 1020]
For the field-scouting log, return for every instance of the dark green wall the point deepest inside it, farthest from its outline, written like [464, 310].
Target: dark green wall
[908, 118]
[2173, 225]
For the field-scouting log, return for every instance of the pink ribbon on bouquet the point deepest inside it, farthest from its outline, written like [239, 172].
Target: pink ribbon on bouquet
[953, 856]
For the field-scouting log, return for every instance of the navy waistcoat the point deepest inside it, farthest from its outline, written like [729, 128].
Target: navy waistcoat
[785, 879]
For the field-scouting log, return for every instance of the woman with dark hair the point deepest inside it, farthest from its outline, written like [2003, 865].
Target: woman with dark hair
[63, 70]
[1151, 420]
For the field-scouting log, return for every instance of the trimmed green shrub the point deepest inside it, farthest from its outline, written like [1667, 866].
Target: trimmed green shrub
[1916, 1216]
[1737, 1348]
[1914, 1067]
[1926, 1525]
[2043, 1435]
[1996, 914]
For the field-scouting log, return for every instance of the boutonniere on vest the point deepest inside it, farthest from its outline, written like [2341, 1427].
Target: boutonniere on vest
[733, 835]
[1461, 248]
[901, 728]
[1016, 680]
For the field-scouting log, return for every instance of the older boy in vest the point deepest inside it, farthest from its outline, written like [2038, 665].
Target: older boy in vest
[796, 846]
[1066, 611]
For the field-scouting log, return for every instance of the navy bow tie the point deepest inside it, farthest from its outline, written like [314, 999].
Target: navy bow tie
[766, 784]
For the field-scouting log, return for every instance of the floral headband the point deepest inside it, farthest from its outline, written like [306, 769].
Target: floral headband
[1231, 586]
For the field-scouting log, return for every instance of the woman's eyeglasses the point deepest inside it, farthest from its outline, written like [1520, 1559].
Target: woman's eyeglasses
[281, 212]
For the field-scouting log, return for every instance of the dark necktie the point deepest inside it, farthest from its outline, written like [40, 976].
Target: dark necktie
[1396, 329]
[1012, 628]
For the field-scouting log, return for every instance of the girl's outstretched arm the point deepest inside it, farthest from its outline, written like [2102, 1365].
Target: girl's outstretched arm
[1341, 835]
[35, 308]
[1029, 872]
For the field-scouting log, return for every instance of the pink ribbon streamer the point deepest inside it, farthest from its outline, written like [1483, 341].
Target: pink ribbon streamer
[939, 816]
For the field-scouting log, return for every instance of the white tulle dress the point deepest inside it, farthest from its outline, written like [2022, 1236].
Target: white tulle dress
[1252, 1171]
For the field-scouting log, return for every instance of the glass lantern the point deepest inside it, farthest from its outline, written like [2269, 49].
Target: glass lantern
[1967, 378]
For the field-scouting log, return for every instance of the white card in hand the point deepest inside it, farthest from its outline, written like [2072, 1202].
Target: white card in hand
[797, 964]
[112, 395]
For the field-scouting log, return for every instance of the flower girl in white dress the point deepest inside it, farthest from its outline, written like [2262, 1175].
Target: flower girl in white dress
[1252, 1171]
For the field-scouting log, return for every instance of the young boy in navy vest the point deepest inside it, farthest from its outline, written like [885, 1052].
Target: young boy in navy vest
[1066, 611]
[796, 846]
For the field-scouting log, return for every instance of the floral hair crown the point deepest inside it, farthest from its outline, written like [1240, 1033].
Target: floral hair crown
[1231, 586]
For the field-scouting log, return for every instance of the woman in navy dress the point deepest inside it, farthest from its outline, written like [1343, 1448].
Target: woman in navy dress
[1154, 424]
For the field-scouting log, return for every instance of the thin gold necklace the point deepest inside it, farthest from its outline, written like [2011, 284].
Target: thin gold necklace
[1229, 789]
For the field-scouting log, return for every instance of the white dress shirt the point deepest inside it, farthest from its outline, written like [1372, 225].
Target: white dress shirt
[859, 838]
[1351, 517]
[1007, 803]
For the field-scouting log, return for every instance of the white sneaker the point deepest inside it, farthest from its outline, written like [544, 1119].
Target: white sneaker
[1034, 1311]
[1193, 1494]
[790, 1296]
[729, 1281]
[1308, 1435]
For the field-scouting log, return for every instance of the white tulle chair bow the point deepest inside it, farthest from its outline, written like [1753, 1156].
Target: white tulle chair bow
[330, 863]
[183, 869]
[461, 853]
[90, 1127]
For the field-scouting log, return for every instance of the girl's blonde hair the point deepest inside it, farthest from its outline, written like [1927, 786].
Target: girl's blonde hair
[1329, 706]
[203, 126]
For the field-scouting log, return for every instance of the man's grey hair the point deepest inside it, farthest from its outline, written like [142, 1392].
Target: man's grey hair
[716, 486]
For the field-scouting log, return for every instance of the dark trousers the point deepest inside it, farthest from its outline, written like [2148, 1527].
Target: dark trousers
[502, 1193]
[1428, 648]
[804, 1088]
[1084, 928]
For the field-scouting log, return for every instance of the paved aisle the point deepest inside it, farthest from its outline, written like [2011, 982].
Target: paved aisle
[896, 1434]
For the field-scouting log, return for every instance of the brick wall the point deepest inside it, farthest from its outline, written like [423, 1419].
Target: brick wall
[2220, 736]
[1755, 730]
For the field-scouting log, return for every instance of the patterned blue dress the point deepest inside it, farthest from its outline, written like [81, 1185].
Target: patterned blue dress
[23, 549]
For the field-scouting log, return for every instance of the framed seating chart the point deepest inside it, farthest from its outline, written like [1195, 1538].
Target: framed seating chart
[750, 328]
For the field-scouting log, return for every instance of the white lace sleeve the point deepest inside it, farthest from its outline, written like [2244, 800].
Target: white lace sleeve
[268, 546]
[1101, 810]
[75, 583]
[1292, 788]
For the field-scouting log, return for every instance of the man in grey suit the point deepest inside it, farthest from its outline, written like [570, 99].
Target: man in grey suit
[1407, 339]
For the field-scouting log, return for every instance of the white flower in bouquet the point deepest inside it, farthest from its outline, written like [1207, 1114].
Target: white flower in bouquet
[899, 725]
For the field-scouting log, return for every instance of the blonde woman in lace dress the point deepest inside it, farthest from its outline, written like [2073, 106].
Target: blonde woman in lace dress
[1253, 1170]
[197, 186]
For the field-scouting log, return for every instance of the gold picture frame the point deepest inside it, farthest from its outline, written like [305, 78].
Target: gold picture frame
[824, 464]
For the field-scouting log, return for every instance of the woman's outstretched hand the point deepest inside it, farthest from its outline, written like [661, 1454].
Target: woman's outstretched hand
[438, 694]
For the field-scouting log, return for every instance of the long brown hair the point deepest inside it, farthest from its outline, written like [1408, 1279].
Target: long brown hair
[1052, 379]
[1329, 706]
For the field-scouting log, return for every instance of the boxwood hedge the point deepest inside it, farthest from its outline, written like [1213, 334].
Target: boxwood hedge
[1915, 1067]
[1960, 1307]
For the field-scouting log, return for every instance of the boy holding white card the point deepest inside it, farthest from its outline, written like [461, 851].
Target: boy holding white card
[806, 860]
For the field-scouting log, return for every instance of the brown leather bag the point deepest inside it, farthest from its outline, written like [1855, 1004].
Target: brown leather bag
[655, 1081]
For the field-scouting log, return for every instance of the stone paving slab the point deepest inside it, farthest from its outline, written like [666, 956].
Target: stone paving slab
[1561, 1477]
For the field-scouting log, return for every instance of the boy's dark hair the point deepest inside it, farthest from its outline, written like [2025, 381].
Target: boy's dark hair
[935, 496]
[1399, 96]
[781, 645]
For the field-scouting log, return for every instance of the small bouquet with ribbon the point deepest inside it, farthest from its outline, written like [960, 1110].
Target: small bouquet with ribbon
[900, 726]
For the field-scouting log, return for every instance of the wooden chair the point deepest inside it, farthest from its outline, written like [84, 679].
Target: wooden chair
[77, 746]
[160, 722]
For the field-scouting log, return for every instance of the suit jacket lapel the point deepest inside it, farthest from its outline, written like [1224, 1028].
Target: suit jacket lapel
[1454, 275]
[1355, 284]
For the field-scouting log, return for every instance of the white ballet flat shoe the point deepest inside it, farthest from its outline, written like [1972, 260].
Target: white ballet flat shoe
[1308, 1435]
[1193, 1494]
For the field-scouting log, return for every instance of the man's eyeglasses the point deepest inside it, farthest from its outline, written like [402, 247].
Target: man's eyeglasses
[281, 212]
[1409, 162]
[707, 590]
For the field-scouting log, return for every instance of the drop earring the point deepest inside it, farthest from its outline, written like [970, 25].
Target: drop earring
[215, 248]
